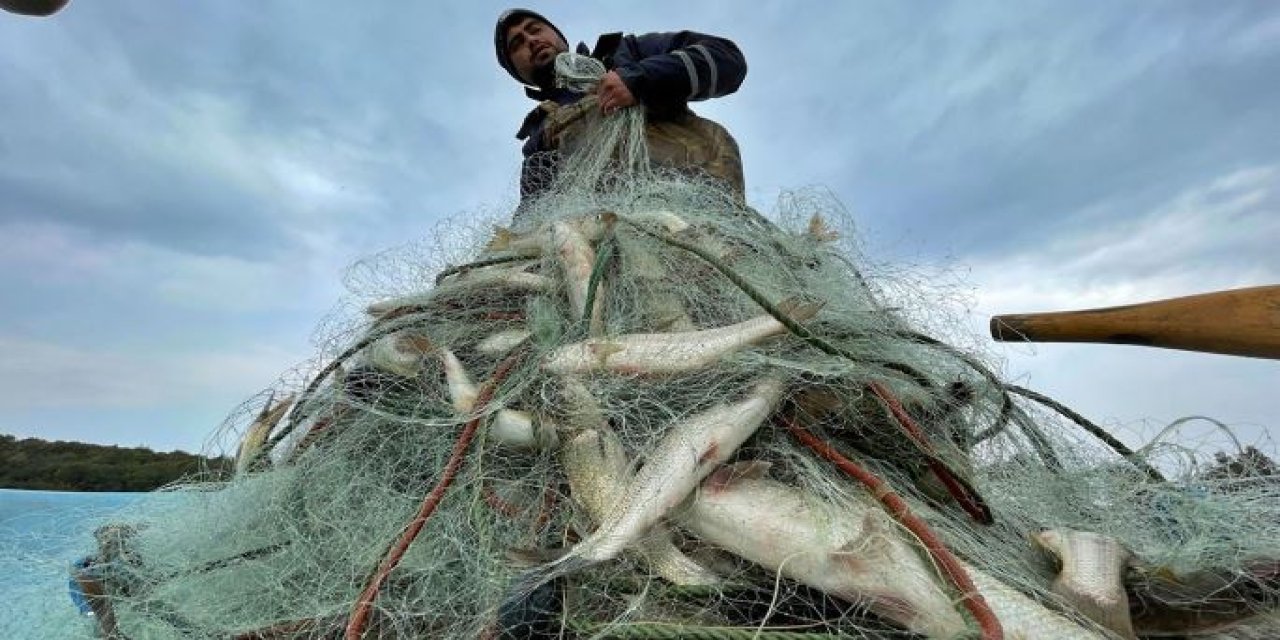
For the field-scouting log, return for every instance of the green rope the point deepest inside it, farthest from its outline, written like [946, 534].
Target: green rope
[667, 631]
[487, 262]
[1038, 439]
[296, 416]
[1001, 423]
[759, 298]
[1098, 432]
[803, 333]
[597, 274]
[1006, 403]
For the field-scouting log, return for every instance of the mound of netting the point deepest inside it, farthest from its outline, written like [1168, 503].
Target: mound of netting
[644, 410]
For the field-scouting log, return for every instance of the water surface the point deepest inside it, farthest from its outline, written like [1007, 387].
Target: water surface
[41, 533]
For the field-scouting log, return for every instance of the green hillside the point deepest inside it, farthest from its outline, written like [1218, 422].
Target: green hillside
[32, 463]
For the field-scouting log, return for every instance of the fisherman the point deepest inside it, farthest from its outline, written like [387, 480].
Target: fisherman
[661, 71]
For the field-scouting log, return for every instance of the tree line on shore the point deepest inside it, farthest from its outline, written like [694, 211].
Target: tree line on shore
[32, 463]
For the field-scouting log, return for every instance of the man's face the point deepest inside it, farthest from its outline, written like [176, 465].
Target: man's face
[531, 43]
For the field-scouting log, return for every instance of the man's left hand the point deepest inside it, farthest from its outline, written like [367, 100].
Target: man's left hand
[613, 93]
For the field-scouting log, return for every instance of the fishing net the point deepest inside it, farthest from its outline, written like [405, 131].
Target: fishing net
[488, 394]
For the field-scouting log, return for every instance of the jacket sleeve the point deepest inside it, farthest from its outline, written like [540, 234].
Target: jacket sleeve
[669, 69]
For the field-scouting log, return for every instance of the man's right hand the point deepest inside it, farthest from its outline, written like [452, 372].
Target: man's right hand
[613, 93]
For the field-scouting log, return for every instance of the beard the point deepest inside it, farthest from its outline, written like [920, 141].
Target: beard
[544, 75]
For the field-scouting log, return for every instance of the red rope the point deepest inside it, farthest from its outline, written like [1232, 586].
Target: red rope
[499, 505]
[364, 604]
[963, 494]
[549, 498]
[898, 508]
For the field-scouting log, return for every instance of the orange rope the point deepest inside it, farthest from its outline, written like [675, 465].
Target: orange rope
[549, 498]
[364, 604]
[898, 508]
[963, 494]
[498, 504]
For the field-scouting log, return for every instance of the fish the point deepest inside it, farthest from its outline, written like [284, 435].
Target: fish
[820, 231]
[671, 353]
[857, 555]
[396, 353]
[509, 276]
[384, 310]
[533, 243]
[536, 616]
[509, 427]
[503, 342]
[855, 552]
[462, 390]
[662, 217]
[577, 260]
[1023, 618]
[515, 276]
[677, 464]
[1092, 576]
[256, 435]
[682, 458]
[517, 429]
[506, 240]
[580, 404]
[598, 472]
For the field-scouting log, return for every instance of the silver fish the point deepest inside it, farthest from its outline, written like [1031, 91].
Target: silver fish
[520, 430]
[256, 435]
[396, 353]
[1092, 575]
[598, 472]
[685, 455]
[859, 556]
[503, 341]
[535, 242]
[1024, 618]
[508, 427]
[664, 218]
[855, 552]
[820, 231]
[670, 353]
[506, 276]
[462, 390]
[577, 259]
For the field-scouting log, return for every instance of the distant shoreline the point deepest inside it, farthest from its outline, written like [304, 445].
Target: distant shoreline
[41, 465]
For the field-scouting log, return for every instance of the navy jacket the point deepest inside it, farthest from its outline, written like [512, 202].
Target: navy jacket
[664, 71]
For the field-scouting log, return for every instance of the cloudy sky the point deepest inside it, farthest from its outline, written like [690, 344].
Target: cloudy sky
[183, 184]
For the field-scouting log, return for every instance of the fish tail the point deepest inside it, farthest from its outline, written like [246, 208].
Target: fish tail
[526, 603]
[531, 609]
[502, 238]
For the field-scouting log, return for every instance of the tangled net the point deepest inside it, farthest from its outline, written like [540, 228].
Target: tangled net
[634, 330]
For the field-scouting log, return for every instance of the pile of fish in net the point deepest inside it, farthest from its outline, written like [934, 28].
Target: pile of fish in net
[647, 411]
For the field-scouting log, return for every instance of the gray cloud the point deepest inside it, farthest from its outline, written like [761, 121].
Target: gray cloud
[1000, 126]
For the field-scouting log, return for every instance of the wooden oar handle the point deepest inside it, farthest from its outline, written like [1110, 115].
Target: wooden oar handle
[1242, 322]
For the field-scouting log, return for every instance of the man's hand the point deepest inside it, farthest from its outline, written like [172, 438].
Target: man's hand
[613, 93]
